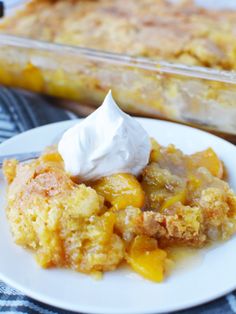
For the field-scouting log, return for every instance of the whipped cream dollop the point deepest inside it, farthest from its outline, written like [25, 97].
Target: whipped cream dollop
[108, 141]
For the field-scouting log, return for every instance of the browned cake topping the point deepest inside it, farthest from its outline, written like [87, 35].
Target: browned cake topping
[182, 32]
[179, 200]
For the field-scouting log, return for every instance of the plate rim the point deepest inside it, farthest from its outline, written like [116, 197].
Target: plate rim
[86, 310]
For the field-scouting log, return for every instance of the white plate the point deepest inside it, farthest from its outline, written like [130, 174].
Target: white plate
[122, 291]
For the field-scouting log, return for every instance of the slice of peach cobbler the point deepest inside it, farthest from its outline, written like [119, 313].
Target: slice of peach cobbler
[93, 226]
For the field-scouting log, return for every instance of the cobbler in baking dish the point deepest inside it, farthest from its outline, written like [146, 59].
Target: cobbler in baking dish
[159, 30]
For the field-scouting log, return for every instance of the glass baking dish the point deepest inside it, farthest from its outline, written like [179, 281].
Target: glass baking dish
[197, 96]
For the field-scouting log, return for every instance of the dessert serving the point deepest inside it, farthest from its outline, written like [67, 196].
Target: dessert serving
[80, 46]
[108, 194]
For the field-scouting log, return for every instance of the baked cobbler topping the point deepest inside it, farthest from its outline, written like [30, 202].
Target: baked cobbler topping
[139, 202]
[177, 31]
[179, 200]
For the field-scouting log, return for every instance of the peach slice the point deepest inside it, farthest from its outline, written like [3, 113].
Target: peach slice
[121, 190]
[33, 78]
[155, 151]
[178, 197]
[51, 157]
[147, 259]
[208, 159]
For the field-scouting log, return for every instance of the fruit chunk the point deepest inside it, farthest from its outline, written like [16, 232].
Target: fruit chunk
[121, 190]
[33, 78]
[5, 75]
[155, 151]
[162, 188]
[101, 229]
[208, 159]
[9, 169]
[178, 197]
[147, 259]
[51, 157]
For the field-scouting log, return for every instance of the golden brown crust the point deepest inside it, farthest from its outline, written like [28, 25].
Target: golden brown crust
[181, 32]
[62, 222]
[77, 226]
[176, 228]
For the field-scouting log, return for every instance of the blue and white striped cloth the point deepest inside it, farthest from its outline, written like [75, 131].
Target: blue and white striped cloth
[22, 111]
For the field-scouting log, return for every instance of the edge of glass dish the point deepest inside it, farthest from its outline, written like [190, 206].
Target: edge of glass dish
[122, 59]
